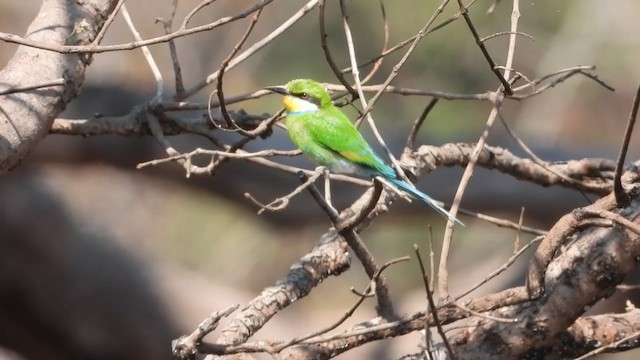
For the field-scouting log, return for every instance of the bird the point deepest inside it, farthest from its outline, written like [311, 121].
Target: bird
[326, 135]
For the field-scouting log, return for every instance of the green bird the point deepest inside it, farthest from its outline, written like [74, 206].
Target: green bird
[324, 134]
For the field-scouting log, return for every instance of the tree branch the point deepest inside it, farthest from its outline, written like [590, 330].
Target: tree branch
[328, 258]
[594, 261]
[592, 174]
[25, 117]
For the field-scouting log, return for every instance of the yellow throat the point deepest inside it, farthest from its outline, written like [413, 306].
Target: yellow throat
[296, 105]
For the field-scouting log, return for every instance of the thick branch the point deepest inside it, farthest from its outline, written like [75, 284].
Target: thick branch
[594, 175]
[589, 333]
[587, 271]
[596, 257]
[328, 258]
[25, 117]
[134, 124]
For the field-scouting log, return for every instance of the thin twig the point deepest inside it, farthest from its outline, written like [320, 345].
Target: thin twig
[147, 55]
[609, 215]
[517, 76]
[543, 164]
[23, 88]
[175, 61]
[385, 306]
[107, 23]
[191, 14]
[432, 269]
[152, 121]
[92, 49]
[516, 243]
[568, 73]
[468, 172]
[484, 316]
[410, 40]
[466, 176]
[432, 258]
[631, 337]
[367, 107]
[501, 269]
[502, 33]
[502, 222]
[348, 313]
[503, 79]
[411, 140]
[327, 53]
[363, 101]
[253, 48]
[282, 202]
[385, 43]
[186, 346]
[415, 92]
[396, 69]
[223, 108]
[573, 70]
[432, 305]
[200, 151]
[622, 199]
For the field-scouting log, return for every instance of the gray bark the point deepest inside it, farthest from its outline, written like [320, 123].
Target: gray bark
[25, 117]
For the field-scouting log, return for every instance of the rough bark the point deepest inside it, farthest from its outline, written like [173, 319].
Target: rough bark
[593, 260]
[25, 117]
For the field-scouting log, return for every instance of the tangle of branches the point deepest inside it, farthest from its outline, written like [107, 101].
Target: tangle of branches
[579, 261]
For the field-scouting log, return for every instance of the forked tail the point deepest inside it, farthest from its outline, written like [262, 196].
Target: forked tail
[417, 194]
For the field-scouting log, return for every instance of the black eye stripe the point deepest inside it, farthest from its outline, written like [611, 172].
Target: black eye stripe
[307, 97]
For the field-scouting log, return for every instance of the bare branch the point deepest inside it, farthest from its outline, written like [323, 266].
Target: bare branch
[27, 116]
[621, 196]
[385, 44]
[363, 102]
[432, 305]
[411, 140]
[468, 171]
[107, 23]
[24, 88]
[593, 175]
[421, 34]
[385, 306]
[223, 67]
[503, 79]
[253, 49]
[593, 263]
[328, 258]
[177, 70]
[327, 52]
[410, 40]
[186, 346]
[94, 49]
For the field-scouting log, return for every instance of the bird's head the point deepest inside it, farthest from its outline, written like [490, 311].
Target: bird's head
[302, 96]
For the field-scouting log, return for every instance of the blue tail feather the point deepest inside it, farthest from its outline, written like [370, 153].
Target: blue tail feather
[417, 194]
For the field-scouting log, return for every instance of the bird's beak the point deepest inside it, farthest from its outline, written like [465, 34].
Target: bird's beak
[278, 89]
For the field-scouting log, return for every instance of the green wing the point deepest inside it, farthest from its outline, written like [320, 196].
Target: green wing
[333, 131]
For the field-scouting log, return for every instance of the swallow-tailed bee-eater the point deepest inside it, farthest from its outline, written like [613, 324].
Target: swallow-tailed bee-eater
[324, 134]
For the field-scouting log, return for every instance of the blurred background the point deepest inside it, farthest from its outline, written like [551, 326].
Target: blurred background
[99, 260]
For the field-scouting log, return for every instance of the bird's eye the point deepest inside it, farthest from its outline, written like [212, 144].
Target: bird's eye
[304, 96]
